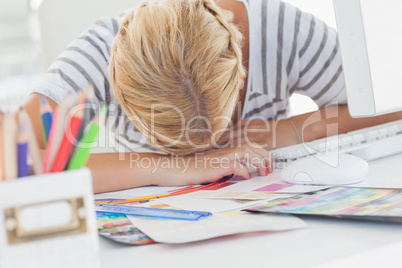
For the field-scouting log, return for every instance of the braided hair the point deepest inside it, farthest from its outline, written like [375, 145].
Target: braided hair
[176, 69]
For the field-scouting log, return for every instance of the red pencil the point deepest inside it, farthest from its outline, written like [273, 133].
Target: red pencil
[72, 127]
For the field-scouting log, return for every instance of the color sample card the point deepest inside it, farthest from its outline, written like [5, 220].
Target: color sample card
[273, 187]
[220, 224]
[119, 228]
[254, 189]
[342, 202]
[261, 187]
[210, 205]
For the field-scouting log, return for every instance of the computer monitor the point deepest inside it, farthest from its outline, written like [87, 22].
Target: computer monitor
[370, 38]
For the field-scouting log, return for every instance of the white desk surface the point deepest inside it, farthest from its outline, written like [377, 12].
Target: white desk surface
[324, 242]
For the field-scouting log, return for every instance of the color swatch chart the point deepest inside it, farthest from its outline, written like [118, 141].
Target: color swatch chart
[225, 188]
[341, 202]
[119, 228]
[254, 189]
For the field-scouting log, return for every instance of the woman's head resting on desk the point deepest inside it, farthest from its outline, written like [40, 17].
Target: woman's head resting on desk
[176, 69]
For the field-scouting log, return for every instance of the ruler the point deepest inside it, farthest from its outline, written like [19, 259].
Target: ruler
[154, 212]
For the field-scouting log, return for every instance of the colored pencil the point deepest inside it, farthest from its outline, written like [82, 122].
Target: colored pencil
[56, 132]
[1, 147]
[46, 116]
[89, 92]
[143, 198]
[72, 127]
[9, 147]
[81, 154]
[79, 105]
[22, 151]
[83, 102]
[33, 148]
[81, 99]
[180, 191]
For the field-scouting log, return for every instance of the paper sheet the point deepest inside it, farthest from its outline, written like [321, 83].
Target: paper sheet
[213, 205]
[220, 224]
[260, 187]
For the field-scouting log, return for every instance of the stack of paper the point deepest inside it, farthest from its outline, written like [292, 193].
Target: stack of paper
[220, 224]
[224, 198]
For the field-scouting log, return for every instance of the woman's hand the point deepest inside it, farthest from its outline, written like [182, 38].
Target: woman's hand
[269, 135]
[214, 164]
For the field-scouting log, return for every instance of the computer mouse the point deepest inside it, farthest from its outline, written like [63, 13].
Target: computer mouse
[326, 169]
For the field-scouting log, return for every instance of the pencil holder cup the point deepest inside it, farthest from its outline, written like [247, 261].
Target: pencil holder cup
[48, 221]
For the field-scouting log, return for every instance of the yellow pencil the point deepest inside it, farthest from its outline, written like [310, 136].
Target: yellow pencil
[9, 147]
[141, 198]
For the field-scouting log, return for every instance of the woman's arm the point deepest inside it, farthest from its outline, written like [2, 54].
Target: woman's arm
[117, 171]
[311, 126]
[137, 169]
[336, 120]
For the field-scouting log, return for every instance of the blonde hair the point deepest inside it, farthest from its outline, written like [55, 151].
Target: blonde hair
[178, 61]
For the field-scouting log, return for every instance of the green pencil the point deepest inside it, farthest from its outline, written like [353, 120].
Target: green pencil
[81, 154]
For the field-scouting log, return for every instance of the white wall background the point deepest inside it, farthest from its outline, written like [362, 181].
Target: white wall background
[322, 9]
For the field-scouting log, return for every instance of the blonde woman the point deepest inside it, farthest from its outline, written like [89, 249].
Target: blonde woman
[196, 88]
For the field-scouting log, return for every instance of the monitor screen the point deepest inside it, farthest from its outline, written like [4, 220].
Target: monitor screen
[370, 38]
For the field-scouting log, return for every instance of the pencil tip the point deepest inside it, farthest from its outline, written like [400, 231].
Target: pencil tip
[67, 100]
[43, 100]
[89, 92]
[22, 127]
[103, 110]
[80, 97]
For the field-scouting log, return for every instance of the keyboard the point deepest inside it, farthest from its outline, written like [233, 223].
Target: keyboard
[368, 143]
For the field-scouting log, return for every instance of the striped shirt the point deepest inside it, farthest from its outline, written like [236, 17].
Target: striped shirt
[290, 52]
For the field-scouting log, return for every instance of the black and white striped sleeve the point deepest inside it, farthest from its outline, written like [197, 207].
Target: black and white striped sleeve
[320, 74]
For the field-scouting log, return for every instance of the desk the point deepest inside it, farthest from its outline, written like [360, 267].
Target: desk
[324, 241]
